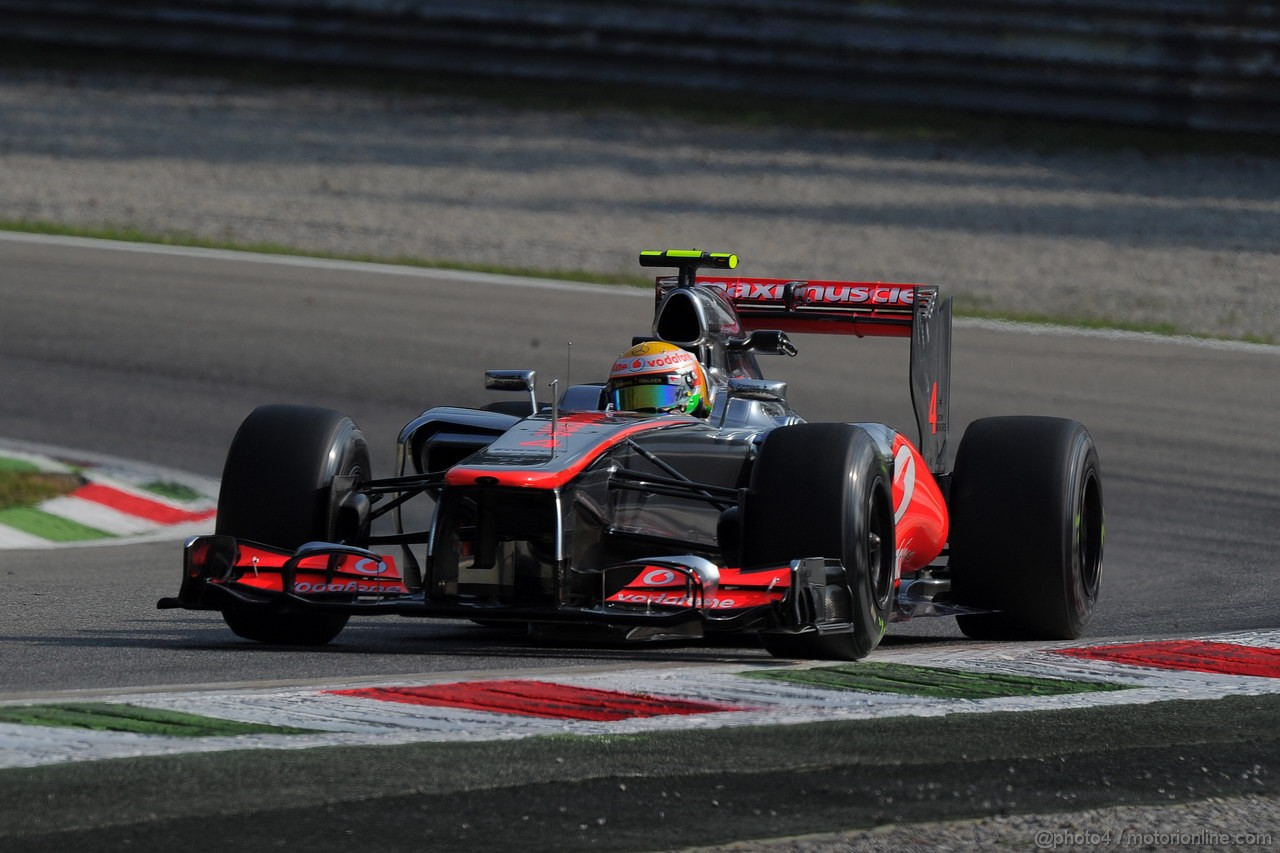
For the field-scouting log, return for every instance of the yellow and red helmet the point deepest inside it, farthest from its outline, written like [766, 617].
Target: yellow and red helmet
[659, 377]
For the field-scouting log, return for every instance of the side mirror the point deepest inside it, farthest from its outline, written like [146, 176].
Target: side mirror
[513, 380]
[765, 390]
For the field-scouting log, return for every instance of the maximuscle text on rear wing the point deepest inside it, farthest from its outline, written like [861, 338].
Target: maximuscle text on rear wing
[822, 307]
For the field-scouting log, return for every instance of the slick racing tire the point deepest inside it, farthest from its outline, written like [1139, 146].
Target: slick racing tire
[278, 489]
[824, 490]
[1026, 528]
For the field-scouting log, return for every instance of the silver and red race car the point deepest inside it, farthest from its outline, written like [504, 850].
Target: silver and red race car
[669, 526]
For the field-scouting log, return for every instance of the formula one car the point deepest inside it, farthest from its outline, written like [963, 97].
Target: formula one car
[682, 497]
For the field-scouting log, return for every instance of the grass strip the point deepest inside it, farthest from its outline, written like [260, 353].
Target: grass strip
[10, 466]
[929, 682]
[173, 491]
[23, 484]
[46, 525]
[111, 717]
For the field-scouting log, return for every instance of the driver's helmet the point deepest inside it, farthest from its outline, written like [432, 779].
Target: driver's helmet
[659, 377]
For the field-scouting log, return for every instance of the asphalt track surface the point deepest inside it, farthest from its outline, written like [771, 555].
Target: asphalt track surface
[157, 355]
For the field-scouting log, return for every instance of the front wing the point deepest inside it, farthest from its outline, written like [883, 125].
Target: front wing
[670, 594]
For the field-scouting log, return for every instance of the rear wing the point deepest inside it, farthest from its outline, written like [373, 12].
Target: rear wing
[862, 309]
[822, 307]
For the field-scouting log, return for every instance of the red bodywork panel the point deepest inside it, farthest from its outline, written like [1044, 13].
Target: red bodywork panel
[919, 510]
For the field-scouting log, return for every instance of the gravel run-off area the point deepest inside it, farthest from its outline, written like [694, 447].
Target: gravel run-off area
[1190, 241]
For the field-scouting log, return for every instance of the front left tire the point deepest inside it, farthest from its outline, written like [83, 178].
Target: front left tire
[824, 490]
[280, 487]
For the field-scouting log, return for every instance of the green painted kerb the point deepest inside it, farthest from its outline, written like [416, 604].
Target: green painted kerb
[928, 681]
[48, 526]
[108, 717]
[175, 491]
[9, 464]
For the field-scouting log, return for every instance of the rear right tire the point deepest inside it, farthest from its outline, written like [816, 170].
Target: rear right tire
[1026, 528]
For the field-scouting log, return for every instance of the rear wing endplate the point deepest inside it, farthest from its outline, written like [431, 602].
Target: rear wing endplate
[931, 377]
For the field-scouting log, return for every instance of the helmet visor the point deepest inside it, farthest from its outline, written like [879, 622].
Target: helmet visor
[659, 396]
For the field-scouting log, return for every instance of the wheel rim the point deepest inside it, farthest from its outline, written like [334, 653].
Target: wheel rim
[880, 549]
[1089, 536]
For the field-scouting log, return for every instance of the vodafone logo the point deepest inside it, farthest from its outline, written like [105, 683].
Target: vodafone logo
[653, 364]
[348, 586]
[370, 567]
[673, 600]
[668, 360]
[659, 577]
[904, 479]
